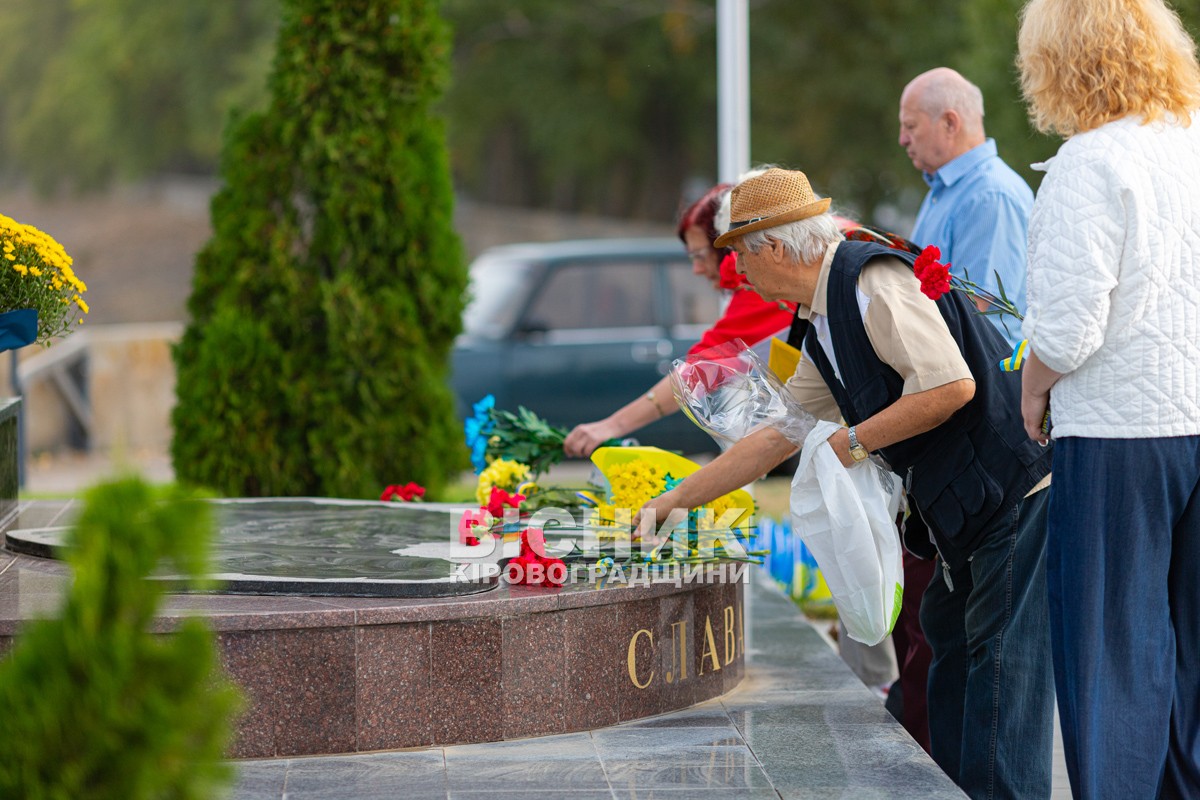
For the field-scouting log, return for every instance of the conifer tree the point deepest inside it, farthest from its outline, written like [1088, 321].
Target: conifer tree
[92, 703]
[324, 307]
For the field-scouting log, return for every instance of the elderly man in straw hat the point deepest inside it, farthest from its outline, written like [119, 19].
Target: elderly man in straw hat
[917, 381]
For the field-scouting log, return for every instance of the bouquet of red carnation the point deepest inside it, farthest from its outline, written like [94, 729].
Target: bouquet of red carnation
[932, 273]
[532, 567]
[408, 493]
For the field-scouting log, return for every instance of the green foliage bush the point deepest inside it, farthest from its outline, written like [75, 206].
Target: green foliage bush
[325, 305]
[94, 705]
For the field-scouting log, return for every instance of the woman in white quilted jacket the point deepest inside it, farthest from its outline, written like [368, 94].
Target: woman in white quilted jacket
[1114, 326]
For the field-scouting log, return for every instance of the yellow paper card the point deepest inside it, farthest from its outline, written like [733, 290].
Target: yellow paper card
[783, 359]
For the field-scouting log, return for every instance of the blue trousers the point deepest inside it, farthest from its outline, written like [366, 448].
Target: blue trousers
[1123, 566]
[991, 686]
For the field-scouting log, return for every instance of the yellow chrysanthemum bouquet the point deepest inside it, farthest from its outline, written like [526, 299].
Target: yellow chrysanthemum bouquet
[36, 277]
[511, 451]
[636, 475]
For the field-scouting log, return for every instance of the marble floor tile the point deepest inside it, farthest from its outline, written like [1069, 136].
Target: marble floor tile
[526, 794]
[710, 716]
[354, 791]
[570, 745]
[360, 783]
[813, 713]
[862, 793]
[414, 762]
[564, 775]
[259, 780]
[744, 793]
[726, 758]
[814, 756]
[368, 776]
[629, 776]
[613, 742]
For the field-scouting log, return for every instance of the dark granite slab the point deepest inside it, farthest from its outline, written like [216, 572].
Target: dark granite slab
[394, 691]
[250, 659]
[467, 666]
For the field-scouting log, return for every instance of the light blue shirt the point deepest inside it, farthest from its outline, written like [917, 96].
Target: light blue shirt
[977, 214]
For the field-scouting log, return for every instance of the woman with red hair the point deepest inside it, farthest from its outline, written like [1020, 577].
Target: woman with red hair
[747, 317]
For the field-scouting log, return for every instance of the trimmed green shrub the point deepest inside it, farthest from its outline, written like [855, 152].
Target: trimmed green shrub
[326, 303]
[94, 705]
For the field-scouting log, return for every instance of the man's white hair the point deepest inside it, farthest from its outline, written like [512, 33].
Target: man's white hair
[805, 240]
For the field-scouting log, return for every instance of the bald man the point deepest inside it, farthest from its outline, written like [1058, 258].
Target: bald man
[977, 208]
[976, 213]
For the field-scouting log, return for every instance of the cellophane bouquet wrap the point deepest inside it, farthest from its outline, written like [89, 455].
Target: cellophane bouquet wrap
[730, 392]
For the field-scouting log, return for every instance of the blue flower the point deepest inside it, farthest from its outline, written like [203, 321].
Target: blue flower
[483, 409]
[476, 430]
[478, 452]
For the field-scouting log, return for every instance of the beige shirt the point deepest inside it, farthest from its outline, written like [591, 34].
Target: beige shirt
[903, 325]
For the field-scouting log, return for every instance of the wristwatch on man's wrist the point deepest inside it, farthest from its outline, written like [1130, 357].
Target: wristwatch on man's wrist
[857, 451]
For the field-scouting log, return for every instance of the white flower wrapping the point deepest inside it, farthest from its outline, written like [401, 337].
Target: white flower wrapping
[730, 392]
[846, 517]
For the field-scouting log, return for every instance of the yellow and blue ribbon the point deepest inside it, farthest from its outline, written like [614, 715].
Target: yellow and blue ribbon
[1013, 363]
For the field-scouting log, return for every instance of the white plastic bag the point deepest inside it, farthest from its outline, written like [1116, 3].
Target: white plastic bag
[846, 517]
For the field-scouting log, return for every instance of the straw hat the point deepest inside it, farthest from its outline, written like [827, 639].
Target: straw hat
[776, 197]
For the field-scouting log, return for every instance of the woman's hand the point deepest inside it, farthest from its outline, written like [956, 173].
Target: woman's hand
[1034, 407]
[585, 438]
[1036, 381]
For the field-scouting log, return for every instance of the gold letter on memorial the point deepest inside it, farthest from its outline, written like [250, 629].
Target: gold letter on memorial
[633, 658]
[730, 647]
[710, 647]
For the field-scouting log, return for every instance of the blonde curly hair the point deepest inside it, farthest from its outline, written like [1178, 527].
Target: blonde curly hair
[1084, 63]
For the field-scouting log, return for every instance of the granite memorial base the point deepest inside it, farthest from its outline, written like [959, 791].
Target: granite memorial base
[336, 673]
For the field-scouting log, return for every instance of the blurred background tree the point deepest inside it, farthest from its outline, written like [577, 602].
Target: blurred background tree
[120, 89]
[324, 307]
[606, 107]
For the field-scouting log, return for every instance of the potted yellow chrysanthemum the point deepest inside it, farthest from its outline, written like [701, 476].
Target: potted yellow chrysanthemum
[41, 298]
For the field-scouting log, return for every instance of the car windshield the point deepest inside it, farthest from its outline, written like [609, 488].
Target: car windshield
[498, 287]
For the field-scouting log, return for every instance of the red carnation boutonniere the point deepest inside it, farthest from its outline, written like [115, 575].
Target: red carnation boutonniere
[409, 492]
[933, 274]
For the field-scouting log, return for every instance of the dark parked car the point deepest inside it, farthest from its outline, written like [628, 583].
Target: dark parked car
[574, 330]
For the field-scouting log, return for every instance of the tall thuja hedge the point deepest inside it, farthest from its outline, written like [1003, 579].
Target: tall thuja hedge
[324, 306]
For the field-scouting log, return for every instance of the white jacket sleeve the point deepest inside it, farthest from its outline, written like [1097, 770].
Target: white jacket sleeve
[1076, 240]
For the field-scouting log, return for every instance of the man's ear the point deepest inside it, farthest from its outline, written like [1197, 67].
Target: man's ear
[778, 252]
[952, 121]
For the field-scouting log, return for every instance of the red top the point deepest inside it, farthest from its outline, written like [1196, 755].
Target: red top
[747, 317]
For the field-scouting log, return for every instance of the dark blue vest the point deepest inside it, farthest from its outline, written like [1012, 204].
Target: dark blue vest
[972, 468]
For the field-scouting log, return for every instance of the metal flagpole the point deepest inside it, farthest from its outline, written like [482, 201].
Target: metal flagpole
[733, 143]
[733, 89]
